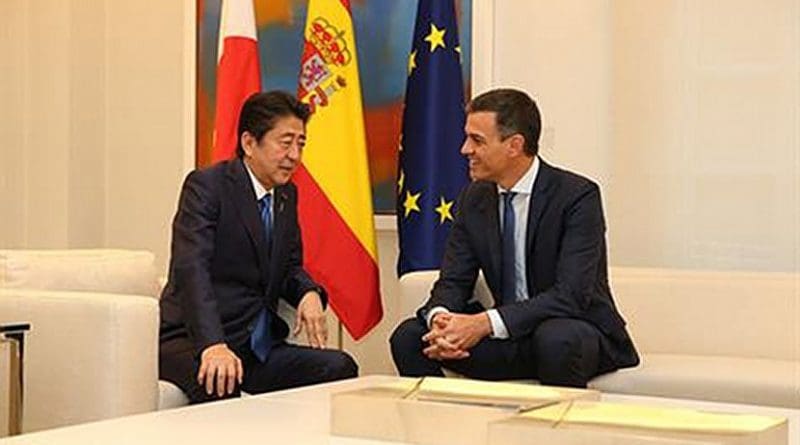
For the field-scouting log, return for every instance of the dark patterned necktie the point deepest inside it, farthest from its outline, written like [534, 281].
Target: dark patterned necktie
[260, 341]
[508, 266]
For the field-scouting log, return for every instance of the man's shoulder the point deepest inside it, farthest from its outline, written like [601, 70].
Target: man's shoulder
[474, 195]
[214, 170]
[478, 190]
[210, 174]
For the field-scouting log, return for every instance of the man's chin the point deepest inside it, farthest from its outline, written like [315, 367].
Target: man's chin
[283, 177]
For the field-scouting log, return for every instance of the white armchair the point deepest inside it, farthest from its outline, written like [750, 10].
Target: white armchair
[92, 352]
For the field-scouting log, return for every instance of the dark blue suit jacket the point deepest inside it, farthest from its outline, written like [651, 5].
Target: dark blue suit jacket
[221, 274]
[567, 271]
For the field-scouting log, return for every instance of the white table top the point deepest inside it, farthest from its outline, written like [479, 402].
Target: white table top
[294, 416]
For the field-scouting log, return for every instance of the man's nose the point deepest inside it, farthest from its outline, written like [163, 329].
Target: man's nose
[294, 152]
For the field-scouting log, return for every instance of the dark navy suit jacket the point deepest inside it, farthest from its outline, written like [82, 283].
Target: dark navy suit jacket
[221, 273]
[565, 247]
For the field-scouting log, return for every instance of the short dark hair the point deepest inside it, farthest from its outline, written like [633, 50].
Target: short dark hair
[261, 110]
[515, 112]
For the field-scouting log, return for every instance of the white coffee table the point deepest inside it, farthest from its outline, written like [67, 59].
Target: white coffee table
[295, 416]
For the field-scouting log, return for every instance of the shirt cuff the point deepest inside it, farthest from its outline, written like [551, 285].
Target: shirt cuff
[432, 312]
[499, 329]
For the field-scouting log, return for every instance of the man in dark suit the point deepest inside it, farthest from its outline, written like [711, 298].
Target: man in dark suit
[538, 234]
[236, 249]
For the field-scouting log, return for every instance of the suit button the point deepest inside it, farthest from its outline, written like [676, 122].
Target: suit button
[250, 327]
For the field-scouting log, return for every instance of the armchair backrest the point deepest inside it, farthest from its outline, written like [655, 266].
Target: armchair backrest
[415, 288]
[735, 313]
[113, 271]
[702, 312]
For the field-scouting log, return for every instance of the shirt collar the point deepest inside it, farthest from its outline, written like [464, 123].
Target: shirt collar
[257, 186]
[525, 184]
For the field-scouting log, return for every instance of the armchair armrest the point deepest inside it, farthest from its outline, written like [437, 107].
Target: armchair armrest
[89, 355]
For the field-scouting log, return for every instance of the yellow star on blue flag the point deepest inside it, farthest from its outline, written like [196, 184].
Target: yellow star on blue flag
[444, 210]
[436, 37]
[410, 204]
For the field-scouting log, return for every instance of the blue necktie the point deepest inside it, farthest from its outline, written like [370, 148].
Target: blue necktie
[265, 205]
[509, 291]
[260, 341]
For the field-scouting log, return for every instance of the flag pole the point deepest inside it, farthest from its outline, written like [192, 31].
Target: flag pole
[340, 335]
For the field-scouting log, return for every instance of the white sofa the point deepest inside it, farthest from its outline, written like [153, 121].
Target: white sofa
[92, 352]
[720, 336]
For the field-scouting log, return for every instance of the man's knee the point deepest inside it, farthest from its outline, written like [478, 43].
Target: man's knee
[340, 365]
[566, 352]
[407, 338]
[554, 338]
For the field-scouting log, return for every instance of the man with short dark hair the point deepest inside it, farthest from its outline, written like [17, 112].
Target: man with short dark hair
[236, 249]
[538, 235]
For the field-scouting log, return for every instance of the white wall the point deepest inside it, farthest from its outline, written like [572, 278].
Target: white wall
[559, 52]
[715, 134]
[685, 111]
[96, 121]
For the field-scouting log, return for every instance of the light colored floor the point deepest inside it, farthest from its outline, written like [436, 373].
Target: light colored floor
[294, 416]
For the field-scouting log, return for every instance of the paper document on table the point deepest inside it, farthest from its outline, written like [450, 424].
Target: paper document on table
[403, 387]
[496, 393]
[651, 417]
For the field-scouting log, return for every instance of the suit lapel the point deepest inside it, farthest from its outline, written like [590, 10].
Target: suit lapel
[488, 207]
[279, 224]
[539, 201]
[241, 193]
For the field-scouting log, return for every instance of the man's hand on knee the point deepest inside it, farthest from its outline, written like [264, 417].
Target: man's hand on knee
[452, 335]
[440, 349]
[220, 369]
[311, 317]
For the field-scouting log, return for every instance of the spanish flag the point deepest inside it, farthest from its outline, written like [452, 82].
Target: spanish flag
[335, 202]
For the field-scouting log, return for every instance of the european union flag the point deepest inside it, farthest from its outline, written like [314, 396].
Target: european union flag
[432, 171]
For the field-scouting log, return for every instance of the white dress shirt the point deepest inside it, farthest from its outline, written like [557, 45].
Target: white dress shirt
[521, 202]
[260, 190]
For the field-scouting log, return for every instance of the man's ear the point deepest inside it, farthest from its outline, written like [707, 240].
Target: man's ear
[517, 144]
[248, 143]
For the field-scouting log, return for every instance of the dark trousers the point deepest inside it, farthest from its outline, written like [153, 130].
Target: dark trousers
[561, 352]
[287, 366]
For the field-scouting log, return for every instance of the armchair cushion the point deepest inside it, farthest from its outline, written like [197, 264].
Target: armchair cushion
[731, 379]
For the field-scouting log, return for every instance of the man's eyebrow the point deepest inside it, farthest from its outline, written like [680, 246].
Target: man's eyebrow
[291, 134]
